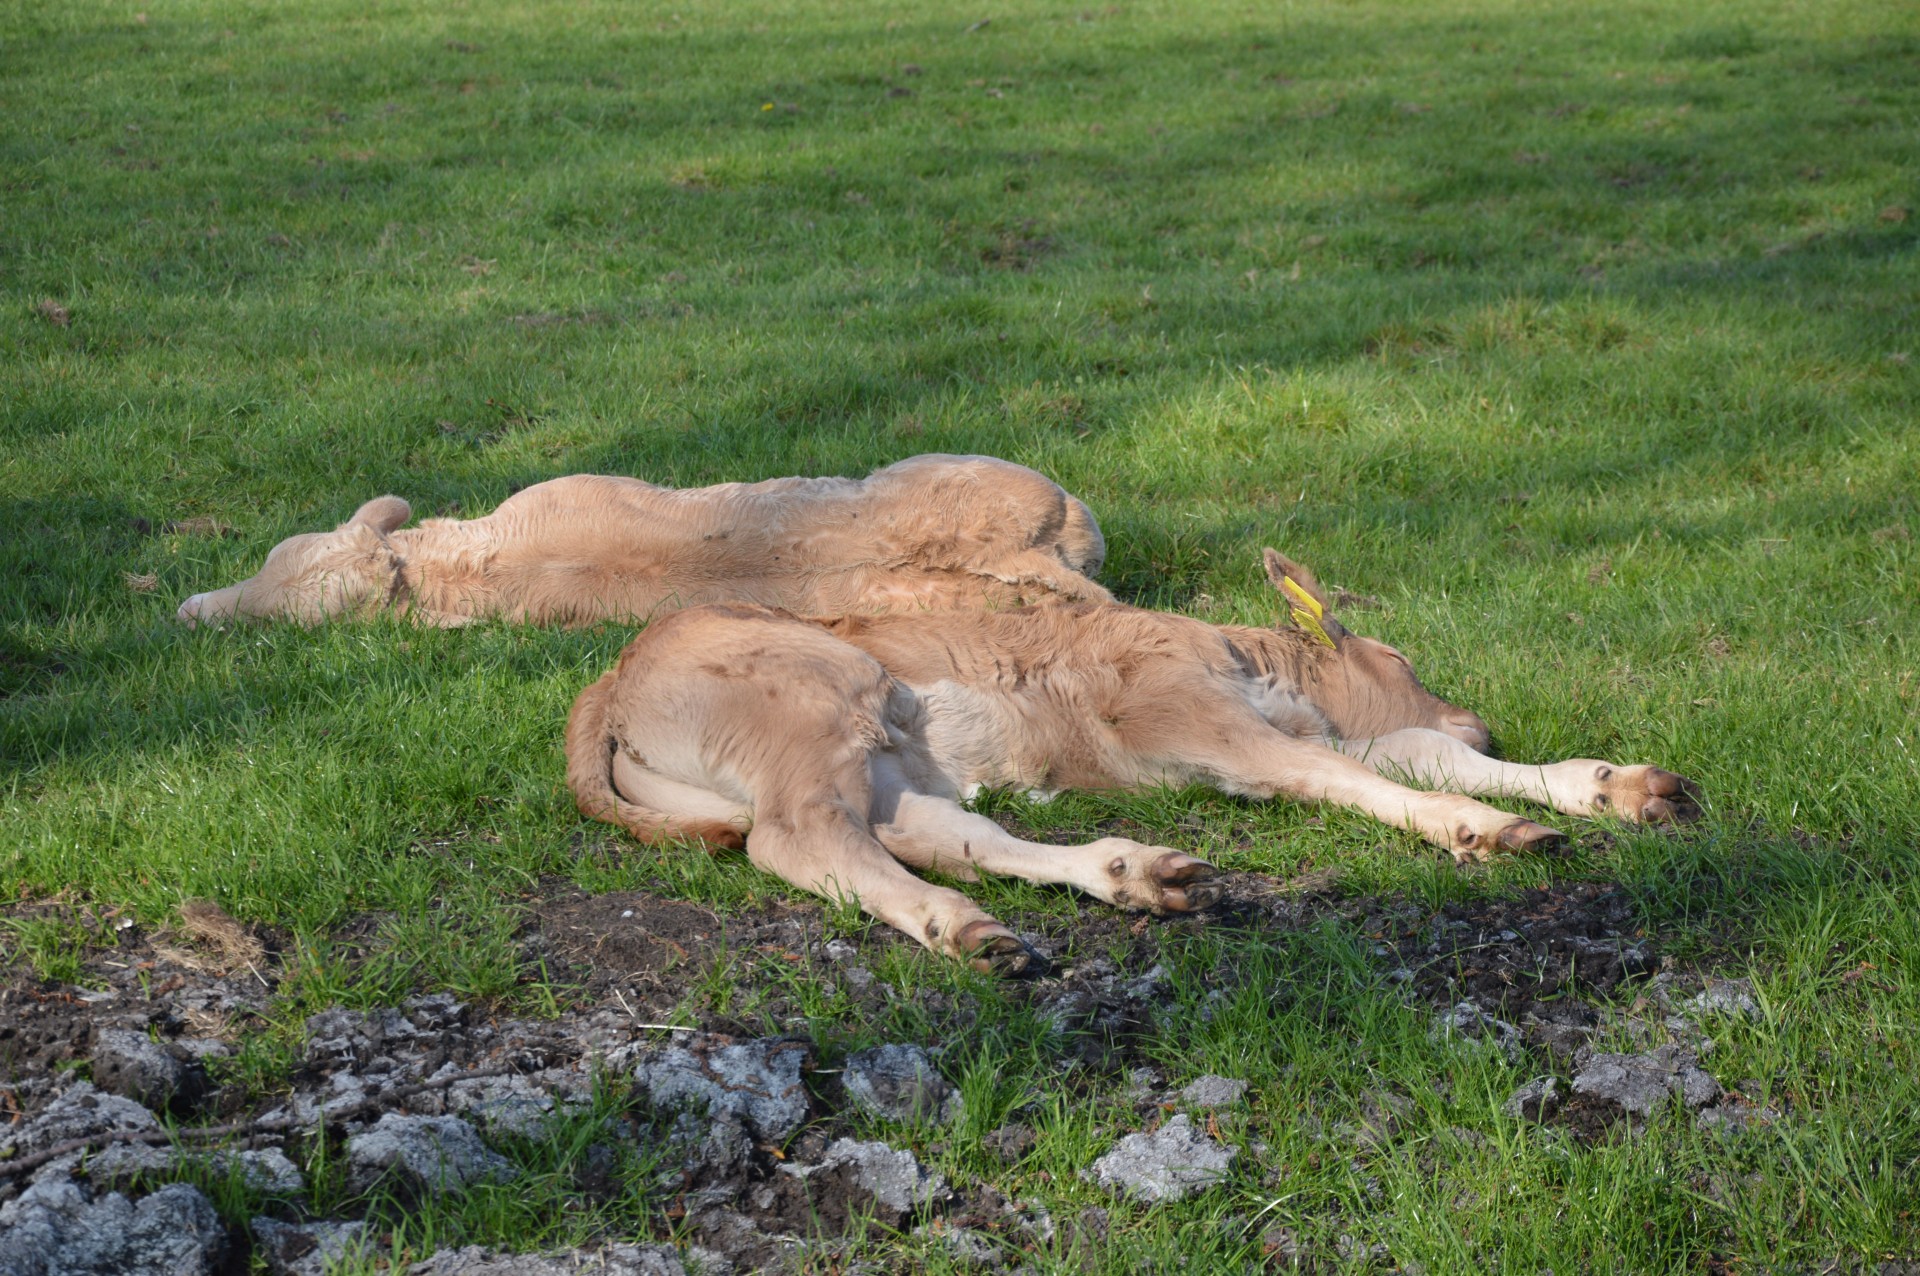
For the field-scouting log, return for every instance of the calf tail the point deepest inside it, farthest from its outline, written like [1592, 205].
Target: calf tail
[590, 748]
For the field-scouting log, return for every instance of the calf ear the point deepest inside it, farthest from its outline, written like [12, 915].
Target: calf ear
[1306, 600]
[1281, 569]
[382, 514]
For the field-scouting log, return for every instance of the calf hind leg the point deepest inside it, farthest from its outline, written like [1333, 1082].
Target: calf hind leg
[823, 846]
[934, 833]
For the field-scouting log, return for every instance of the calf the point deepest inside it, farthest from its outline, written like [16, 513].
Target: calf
[838, 750]
[928, 532]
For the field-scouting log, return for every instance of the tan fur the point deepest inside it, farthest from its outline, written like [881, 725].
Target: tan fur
[845, 744]
[929, 532]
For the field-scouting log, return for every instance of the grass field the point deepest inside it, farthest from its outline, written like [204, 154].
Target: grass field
[1581, 341]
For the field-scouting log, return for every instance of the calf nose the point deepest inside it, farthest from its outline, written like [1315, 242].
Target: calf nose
[1468, 727]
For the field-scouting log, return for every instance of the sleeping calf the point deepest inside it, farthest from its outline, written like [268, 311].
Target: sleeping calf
[928, 532]
[838, 750]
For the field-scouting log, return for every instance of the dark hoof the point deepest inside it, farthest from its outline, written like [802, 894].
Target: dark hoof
[1186, 884]
[1672, 799]
[1525, 835]
[995, 950]
[1666, 784]
[1661, 811]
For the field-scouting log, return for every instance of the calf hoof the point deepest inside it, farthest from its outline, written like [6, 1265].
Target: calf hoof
[1521, 835]
[1648, 795]
[1525, 835]
[992, 949]
[1186, 884]
[1672, 799]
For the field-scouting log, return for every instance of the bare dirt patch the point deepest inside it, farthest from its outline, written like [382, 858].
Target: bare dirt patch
[1537, 960]
[652, 956]
[1546, 967]
[40, 1029]
[1017, 249]
[631, 935]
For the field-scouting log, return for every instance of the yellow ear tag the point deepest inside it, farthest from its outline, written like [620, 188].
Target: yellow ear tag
[1306, 610]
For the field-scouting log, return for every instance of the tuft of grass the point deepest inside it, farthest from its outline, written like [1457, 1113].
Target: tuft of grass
[53, 948]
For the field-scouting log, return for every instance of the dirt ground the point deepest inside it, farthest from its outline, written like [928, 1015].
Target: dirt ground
[1549, 962]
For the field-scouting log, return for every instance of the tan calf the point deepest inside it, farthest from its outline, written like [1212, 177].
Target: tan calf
[838, 750]
[928, 532]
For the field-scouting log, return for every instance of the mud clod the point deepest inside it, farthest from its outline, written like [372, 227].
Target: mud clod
[900, 1083]
[79, 1112]
[754, 1082]
[427, 1154]
[1537, 1100]
[715, 1149]
[613, 1260]
[967, 1247]
[305, 1249]
[124, 1165]
[890, 1179]
[134, 1066]
[1213, 1092]
[1169, 1164]
[268, 1171]
[353, 1038]
[1724, 997]
[1468, 1022]
[1641, 1085]
[512, 1104]
[56, 1229]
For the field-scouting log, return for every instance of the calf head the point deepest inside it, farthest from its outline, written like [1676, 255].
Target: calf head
[315, 575]
[1367, 688]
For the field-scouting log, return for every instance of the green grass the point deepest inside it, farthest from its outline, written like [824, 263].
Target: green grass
[1583, 340]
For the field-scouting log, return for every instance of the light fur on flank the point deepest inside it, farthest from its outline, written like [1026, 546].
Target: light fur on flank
[838, 750]
[927, 533]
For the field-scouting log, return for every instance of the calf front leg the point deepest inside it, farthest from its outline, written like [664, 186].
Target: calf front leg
[1252, 759]
[1578, 786]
